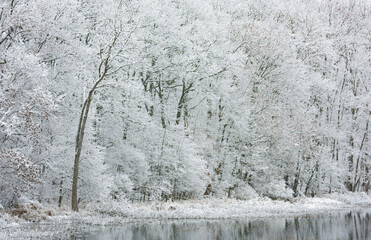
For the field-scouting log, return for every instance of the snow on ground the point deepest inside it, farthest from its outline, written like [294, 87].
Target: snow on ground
[232, 208]
[114, 213]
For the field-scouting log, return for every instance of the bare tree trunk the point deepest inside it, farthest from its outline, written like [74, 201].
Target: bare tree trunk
[357, 170]
[161, 97]
[182, 102]
[103, 69]
[78, 148]
[296, 180]
[60, 194]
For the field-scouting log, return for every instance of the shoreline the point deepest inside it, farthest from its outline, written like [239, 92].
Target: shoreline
[93, 216]
[207, 208]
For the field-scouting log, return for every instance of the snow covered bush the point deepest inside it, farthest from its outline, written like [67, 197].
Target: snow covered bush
[18, 175]
[277, 190]
[245, 192]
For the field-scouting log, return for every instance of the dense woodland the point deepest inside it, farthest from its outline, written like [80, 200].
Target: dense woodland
[217, 98]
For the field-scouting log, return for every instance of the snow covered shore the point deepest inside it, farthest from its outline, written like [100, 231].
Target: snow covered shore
[192, 209]
[114, 213]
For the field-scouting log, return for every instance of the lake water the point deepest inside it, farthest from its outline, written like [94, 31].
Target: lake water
[345, 225]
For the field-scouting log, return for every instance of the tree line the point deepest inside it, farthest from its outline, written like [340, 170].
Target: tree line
[166, 100]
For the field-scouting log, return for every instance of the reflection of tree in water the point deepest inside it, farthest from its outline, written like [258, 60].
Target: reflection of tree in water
[346, 225]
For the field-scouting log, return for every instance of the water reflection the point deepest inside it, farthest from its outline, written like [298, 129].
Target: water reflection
[349, 225]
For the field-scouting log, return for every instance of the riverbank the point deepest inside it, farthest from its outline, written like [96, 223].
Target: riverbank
[14, 223]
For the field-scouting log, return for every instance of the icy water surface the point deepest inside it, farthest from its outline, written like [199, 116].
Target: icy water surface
[346, 225]
[341, 225]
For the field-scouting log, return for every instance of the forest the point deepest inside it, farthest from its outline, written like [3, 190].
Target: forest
[159, 100]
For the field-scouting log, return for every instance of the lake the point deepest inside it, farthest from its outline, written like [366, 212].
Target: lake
[343, 225]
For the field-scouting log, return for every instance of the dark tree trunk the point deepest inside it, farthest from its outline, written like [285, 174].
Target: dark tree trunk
[81, 132]
[102, 71]
[60, 194]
